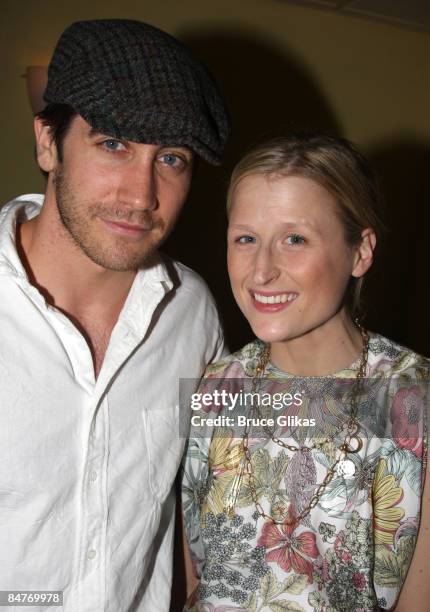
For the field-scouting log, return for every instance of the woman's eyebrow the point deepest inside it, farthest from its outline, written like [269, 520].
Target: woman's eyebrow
[286, 225]
[239, 226]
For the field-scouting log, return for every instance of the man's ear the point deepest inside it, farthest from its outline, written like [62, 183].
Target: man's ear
[46, 150]
[364, 253]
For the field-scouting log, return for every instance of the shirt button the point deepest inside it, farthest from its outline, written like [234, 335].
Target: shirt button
[93, 475]
[91, 553]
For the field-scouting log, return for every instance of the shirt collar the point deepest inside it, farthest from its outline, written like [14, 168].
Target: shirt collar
[20, 209]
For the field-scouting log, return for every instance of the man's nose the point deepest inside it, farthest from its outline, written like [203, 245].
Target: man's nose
[138, 187]
[265, 266]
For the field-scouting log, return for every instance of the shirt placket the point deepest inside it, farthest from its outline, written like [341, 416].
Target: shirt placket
[92, 514]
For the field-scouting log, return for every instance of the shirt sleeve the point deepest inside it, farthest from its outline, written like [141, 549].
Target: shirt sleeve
[194, 479]
[397, 491]
[220, 350]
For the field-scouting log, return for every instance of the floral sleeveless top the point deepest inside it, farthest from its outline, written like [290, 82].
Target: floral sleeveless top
[352, 551]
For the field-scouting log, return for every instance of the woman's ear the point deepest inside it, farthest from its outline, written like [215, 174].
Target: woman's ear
[46, 150]
[364, 253]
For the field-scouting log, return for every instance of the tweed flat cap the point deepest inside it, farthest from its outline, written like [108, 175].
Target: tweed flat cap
[130, 80]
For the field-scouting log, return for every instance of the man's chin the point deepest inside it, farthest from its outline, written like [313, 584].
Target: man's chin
[123, 262]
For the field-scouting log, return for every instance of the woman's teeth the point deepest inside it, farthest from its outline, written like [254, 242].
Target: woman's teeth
[281, 298]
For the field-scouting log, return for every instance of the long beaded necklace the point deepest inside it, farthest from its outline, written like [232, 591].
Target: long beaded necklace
[351, 444]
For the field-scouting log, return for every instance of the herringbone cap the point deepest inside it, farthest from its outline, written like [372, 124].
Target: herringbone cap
[130, 80]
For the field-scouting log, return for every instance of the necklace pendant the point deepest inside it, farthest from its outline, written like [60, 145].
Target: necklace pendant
[346, 468]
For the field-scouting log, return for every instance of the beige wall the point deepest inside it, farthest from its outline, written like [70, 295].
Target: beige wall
[373, 78]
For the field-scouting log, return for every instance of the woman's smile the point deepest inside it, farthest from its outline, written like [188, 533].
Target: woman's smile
[272, 301]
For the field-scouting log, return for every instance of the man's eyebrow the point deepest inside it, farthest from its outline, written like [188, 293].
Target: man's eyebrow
[93, 132]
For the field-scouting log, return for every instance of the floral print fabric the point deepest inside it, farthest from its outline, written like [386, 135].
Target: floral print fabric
[352, 552]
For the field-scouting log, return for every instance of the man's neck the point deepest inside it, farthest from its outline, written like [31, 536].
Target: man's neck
[90, 295]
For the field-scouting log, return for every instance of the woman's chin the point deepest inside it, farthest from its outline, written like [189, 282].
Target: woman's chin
[269, 335]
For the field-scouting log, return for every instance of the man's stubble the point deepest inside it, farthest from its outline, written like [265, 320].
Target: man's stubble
[80, 220]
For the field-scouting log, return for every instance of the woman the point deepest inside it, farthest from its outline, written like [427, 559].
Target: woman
[282, 517]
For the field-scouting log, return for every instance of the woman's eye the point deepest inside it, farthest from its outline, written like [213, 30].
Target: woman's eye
[113, 145]
[295, 239]
[245, 239]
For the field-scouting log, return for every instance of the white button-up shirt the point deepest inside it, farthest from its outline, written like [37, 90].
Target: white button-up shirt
[86, 465]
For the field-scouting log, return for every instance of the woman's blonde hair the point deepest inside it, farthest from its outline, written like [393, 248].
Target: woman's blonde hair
[333, 163]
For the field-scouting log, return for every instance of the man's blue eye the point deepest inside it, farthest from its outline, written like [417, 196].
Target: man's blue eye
[112, 144]
[170, 159]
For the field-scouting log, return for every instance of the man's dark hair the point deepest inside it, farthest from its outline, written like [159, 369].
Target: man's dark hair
[58, 117]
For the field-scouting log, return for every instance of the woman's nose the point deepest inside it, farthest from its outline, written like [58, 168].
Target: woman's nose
[265, 267]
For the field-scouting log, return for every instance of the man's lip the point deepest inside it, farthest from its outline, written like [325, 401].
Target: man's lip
[127, 229]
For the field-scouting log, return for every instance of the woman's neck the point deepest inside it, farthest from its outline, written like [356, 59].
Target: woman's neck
[325, 350]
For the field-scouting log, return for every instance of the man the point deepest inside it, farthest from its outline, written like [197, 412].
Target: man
[97, 327]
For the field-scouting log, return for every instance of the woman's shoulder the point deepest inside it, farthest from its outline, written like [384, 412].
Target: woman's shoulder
[239, 364]
[388, 357]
